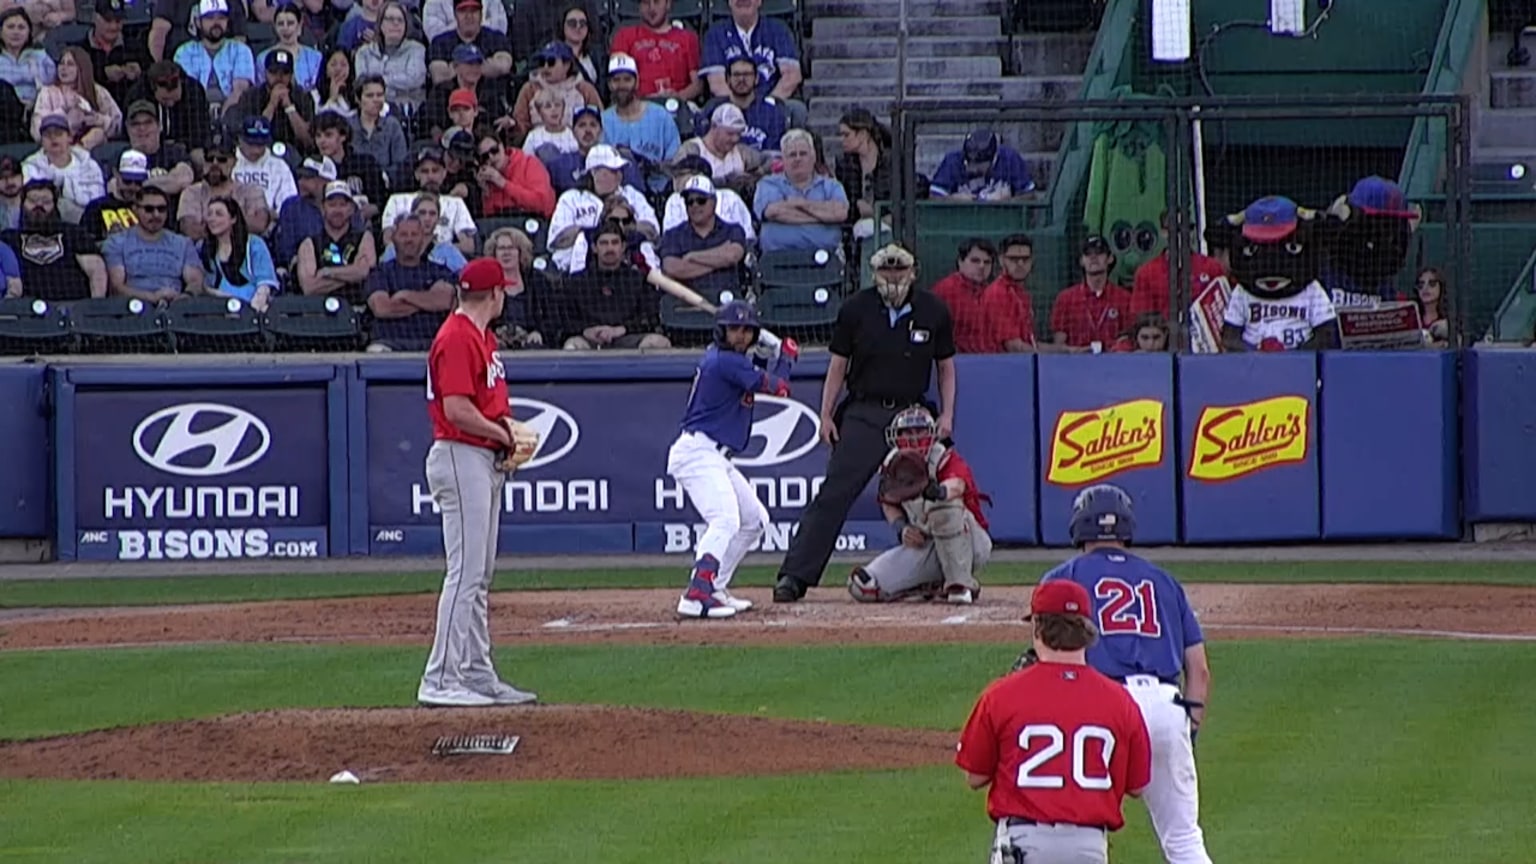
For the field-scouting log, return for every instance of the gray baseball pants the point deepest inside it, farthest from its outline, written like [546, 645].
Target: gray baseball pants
[467, 488]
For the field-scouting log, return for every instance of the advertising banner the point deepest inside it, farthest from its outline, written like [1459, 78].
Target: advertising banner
[1389, 445]
[1497, 422]
[178, 474]
[1105, 418]
[24, 500]
[598, 482]
[1249, 425]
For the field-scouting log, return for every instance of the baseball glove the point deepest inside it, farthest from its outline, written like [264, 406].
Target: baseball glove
[525, 442]
[1027, 659]
[903, 477]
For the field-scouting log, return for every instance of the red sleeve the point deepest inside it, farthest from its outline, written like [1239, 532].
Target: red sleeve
[977, 750]
[954, 467]
[1144, 291]
[623, 41]
[1060, 312]
[1138, 752]
[1000, 312]
[453, 367]
[529, 187]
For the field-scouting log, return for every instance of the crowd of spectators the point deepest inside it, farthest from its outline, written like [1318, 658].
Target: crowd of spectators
[366, 149]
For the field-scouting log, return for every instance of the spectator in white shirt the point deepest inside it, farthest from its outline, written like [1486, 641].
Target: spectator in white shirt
[454, 225]
[581, 208]
[255, 164]
[70, 168]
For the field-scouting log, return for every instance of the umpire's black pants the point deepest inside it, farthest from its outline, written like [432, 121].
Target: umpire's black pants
[856, 456]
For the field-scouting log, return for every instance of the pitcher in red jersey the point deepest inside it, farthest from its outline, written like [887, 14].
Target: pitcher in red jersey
[1057, 745]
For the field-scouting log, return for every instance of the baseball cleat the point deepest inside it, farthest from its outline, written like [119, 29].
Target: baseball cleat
[505, 694]
[433, 697]
[702, 601]
[740, 604]
[959, 595]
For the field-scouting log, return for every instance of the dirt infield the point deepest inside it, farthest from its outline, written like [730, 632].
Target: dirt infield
[393, 745]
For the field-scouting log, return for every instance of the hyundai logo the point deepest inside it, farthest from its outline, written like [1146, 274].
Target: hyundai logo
[558, 432]
[787, 434]
[201, 439]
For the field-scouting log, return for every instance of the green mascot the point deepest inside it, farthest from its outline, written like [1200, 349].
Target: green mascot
[1127, 189]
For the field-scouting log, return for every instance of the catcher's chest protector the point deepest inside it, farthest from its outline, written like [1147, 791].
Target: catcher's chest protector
[917, 509]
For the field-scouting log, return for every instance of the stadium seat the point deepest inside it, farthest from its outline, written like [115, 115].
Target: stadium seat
[686, 324]
[32, 326]
[107, 156]
[19, 150]
[63, 36]
[683, 116]
[302, 323]
[800, 288]
[214, 325]
[118, 325]
[532, 224]
[258, 36]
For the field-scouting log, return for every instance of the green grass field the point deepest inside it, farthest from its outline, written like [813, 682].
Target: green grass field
[1380, 751]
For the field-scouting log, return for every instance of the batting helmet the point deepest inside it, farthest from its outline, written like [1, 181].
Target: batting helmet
[737, 313]
[1102, 512]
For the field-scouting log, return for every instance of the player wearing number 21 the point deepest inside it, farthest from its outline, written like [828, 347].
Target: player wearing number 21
[1148, 638]
[1059, 744]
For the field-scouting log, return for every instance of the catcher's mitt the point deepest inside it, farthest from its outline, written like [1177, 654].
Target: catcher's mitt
[903, 477]
[1027, 659]
[525, 442]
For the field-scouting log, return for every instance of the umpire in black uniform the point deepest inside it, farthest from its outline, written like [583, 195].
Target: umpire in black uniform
[884, 346]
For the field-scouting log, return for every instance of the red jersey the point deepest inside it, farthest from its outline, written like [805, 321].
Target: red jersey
[973, 332]
[667, 61]
[1150, 292]
[463, 362]
[1062, 744]
[953, 466]
[1087, 317]
[1009, 308]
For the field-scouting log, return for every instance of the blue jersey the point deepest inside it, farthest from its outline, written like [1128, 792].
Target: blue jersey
[720, 404]
[1144, 620]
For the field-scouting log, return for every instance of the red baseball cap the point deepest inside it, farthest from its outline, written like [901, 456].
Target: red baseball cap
[463, 98]
[483, 274]
[1059, 597]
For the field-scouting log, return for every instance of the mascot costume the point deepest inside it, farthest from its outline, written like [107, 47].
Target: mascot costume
[1128, 190]
[1278, 304]
[1371, 230]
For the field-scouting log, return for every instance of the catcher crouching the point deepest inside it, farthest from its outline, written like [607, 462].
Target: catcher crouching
[929, 496]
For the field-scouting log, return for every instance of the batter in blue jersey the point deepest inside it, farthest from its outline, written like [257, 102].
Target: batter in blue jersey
[1149, 640]
[717, 424]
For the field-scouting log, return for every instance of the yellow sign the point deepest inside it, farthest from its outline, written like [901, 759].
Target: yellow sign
[1233, 440]
[1091, 445]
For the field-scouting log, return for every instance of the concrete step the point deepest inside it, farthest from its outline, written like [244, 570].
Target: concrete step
[1507, 127]
[874, 28]
[917, 68]
[1512, 88]
[1054, 88]
[892, 8]
[883, 48]
[1050, 53]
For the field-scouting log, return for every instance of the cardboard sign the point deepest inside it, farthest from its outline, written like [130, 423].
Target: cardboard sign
[1388, 326]
[1205, 315]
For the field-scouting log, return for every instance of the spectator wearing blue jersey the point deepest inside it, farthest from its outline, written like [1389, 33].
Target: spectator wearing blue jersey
[984, 169]
[770, 45]
[639, 126]
[288, 24]
[765, 118]
[717, 423]
[224, 67]
[237, 263]
[800, 209]
[1149, 640]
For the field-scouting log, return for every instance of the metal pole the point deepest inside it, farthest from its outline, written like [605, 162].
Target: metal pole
[901, 55]
[1197, 145]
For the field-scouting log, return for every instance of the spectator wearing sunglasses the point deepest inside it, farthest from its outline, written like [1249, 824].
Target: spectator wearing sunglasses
[512, 181]
[149, 261]
[706, 253]
[219, 182]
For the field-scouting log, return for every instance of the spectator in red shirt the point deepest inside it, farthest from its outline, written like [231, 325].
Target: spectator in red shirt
[1006, 302]
[961, 292]
[1150, 291]
[1092, 314]
[666, 52]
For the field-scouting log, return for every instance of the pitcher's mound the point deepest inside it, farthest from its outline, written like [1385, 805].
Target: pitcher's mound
[395, 744]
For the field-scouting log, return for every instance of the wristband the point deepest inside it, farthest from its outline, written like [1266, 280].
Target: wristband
[289, 109]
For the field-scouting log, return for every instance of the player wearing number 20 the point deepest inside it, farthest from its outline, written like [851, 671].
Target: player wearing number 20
[716, 424]
[1149, 639]
[1059, 744]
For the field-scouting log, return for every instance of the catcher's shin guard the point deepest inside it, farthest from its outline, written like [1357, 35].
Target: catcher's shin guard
[951, 535]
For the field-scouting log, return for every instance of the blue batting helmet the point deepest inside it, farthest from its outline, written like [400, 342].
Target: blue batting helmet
[737, 313]
[1102, 512]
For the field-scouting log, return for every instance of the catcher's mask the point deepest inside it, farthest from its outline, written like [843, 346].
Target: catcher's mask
[1102, 513]
[894, 274]
[912, 429]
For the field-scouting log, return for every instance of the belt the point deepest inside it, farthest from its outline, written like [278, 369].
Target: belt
[718, 447]
[889, 404]
[1128, 679]
[1020, 822]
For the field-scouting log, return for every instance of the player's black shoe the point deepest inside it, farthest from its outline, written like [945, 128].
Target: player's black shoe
[788, 590]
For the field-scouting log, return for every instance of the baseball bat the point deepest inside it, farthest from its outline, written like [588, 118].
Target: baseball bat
[677, 289]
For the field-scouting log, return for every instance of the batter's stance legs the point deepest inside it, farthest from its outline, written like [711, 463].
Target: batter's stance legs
[1173, 797]
[855, 458]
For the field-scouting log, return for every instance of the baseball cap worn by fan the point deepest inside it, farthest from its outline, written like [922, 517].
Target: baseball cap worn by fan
[141, 107]
[1268, 220]
[463, 98]
[467, 54]
[556, 51]
[133, 166]
[604, 156]
[51, 122]
[483, 274]
[112, 10]
[1096, 245]
[1378, 196]
[257, 130]
[212, 7]
[323, 168]
[622, 64]
[1059, 597]
[587, 111]
[338, 189]
[429, 154]
[279, 61]
[729, 117]
[699, 184]
[467, 4]
[980, 148]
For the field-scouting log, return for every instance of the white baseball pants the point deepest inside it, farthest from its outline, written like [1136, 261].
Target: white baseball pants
[733, 516]
[1173, 797]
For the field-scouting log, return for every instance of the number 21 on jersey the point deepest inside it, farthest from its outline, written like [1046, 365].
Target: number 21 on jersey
[1129, 608]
